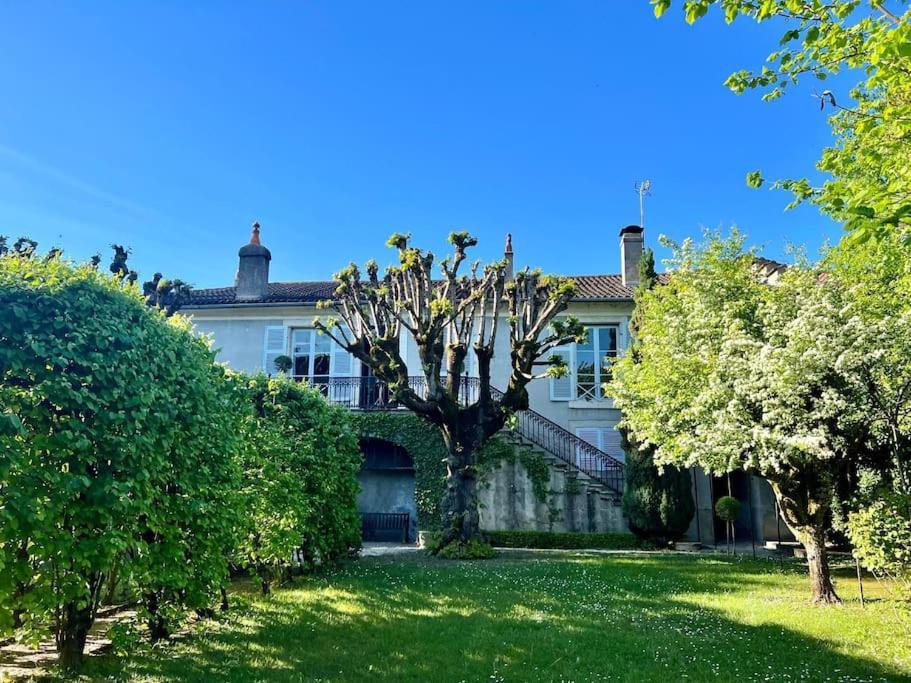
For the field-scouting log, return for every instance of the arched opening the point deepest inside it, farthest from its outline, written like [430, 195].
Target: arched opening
[386, 500]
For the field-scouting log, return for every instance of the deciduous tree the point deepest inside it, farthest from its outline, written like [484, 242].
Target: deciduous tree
[737, 373]
[449, 317]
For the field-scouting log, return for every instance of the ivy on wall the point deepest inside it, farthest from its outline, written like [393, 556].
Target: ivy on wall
[425, 446]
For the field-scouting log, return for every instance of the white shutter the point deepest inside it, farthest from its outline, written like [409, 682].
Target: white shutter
[584, 458]
[561, 388]
[342, 362]
[611, 443]
[273, 346]
[622, 338]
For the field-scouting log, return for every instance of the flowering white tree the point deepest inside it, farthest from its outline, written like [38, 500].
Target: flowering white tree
[449, 316]
[772, 378]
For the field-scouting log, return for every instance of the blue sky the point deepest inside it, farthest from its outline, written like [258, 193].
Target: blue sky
[170, 126]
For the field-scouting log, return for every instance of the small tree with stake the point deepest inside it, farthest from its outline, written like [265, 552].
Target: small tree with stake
[448, 318]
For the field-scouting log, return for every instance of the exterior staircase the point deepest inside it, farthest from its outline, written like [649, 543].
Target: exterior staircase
[585, 487]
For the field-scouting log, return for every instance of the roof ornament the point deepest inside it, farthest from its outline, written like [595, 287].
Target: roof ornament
[254, 237]
[508, 243]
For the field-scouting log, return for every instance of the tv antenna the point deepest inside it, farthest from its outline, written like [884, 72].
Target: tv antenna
[643, 189]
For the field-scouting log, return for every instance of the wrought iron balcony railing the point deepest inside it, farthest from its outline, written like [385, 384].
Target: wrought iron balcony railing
[370, 393]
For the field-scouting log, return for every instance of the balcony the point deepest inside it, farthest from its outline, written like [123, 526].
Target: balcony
[372, 394]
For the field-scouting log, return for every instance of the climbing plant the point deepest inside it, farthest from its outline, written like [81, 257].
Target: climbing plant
[425, 446]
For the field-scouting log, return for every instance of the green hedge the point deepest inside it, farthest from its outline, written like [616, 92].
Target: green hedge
[556, 539]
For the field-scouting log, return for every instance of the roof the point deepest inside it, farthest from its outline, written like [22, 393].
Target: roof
[588, 288]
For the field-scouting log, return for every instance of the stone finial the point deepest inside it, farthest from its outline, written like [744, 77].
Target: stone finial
[508, 243]
[254, 237]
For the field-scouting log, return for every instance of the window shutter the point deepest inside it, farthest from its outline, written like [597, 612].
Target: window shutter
[561, 388]
[273, 347]
[342, 361]
[622, 338]
[584, 458]
[611, 443]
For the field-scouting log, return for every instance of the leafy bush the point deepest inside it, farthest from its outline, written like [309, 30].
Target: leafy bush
[881, 536]
[118, 443]
[299, 487]
[658, 505]
[567, 540]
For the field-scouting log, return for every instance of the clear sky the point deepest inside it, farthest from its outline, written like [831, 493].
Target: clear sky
[170, 126]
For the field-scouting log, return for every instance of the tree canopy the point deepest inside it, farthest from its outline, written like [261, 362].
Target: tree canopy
[869, 164]
[779, 379]
[449, 316]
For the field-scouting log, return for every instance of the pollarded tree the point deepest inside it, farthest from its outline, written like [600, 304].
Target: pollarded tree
[448, 318]
[736, 373]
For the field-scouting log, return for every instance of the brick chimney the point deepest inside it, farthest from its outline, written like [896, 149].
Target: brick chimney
[507, 256]
[252, 269]
[631, 239]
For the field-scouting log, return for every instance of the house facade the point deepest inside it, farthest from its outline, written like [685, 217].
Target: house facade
[560, 468]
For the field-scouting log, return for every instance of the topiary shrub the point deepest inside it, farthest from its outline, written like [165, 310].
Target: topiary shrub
[658, 506]
[727, 508]
[283, 364]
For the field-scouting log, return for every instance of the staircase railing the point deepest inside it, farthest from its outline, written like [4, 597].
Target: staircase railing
[370, 393]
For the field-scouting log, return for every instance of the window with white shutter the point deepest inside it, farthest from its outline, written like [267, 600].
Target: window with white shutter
[605, 439]
[561, 388]
[274, 345]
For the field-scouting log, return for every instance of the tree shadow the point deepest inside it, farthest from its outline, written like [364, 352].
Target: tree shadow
[517, 618]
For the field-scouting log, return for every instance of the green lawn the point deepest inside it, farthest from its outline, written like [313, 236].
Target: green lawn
[541, 617]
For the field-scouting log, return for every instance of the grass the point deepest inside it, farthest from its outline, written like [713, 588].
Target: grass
[540, 617]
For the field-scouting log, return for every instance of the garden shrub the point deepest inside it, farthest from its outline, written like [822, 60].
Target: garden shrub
[473, 549]
[658, 505]
[567, 540]
[299, 487]
[881, 535]
[118, 457]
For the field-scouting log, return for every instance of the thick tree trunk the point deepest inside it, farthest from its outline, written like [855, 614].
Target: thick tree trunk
[461, 521]
[818, 560]
[806, 509]
[72, 631]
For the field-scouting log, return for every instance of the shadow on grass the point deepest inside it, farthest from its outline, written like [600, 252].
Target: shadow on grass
[519, 618]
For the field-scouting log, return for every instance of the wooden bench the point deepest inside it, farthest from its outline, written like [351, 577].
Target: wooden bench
[394, 524]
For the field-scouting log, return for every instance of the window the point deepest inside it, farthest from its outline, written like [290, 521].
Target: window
[592, 363]
[589, 364]
[606, 439]
[315, 357]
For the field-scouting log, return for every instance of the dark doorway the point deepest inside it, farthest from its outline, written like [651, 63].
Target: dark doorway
[739, 483]
[387, 497]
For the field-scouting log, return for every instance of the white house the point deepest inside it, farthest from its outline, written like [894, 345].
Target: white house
[570, 422]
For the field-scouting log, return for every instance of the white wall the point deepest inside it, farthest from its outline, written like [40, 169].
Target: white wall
[239, 334]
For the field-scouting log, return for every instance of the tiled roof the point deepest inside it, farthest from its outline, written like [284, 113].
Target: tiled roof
[589, 288]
